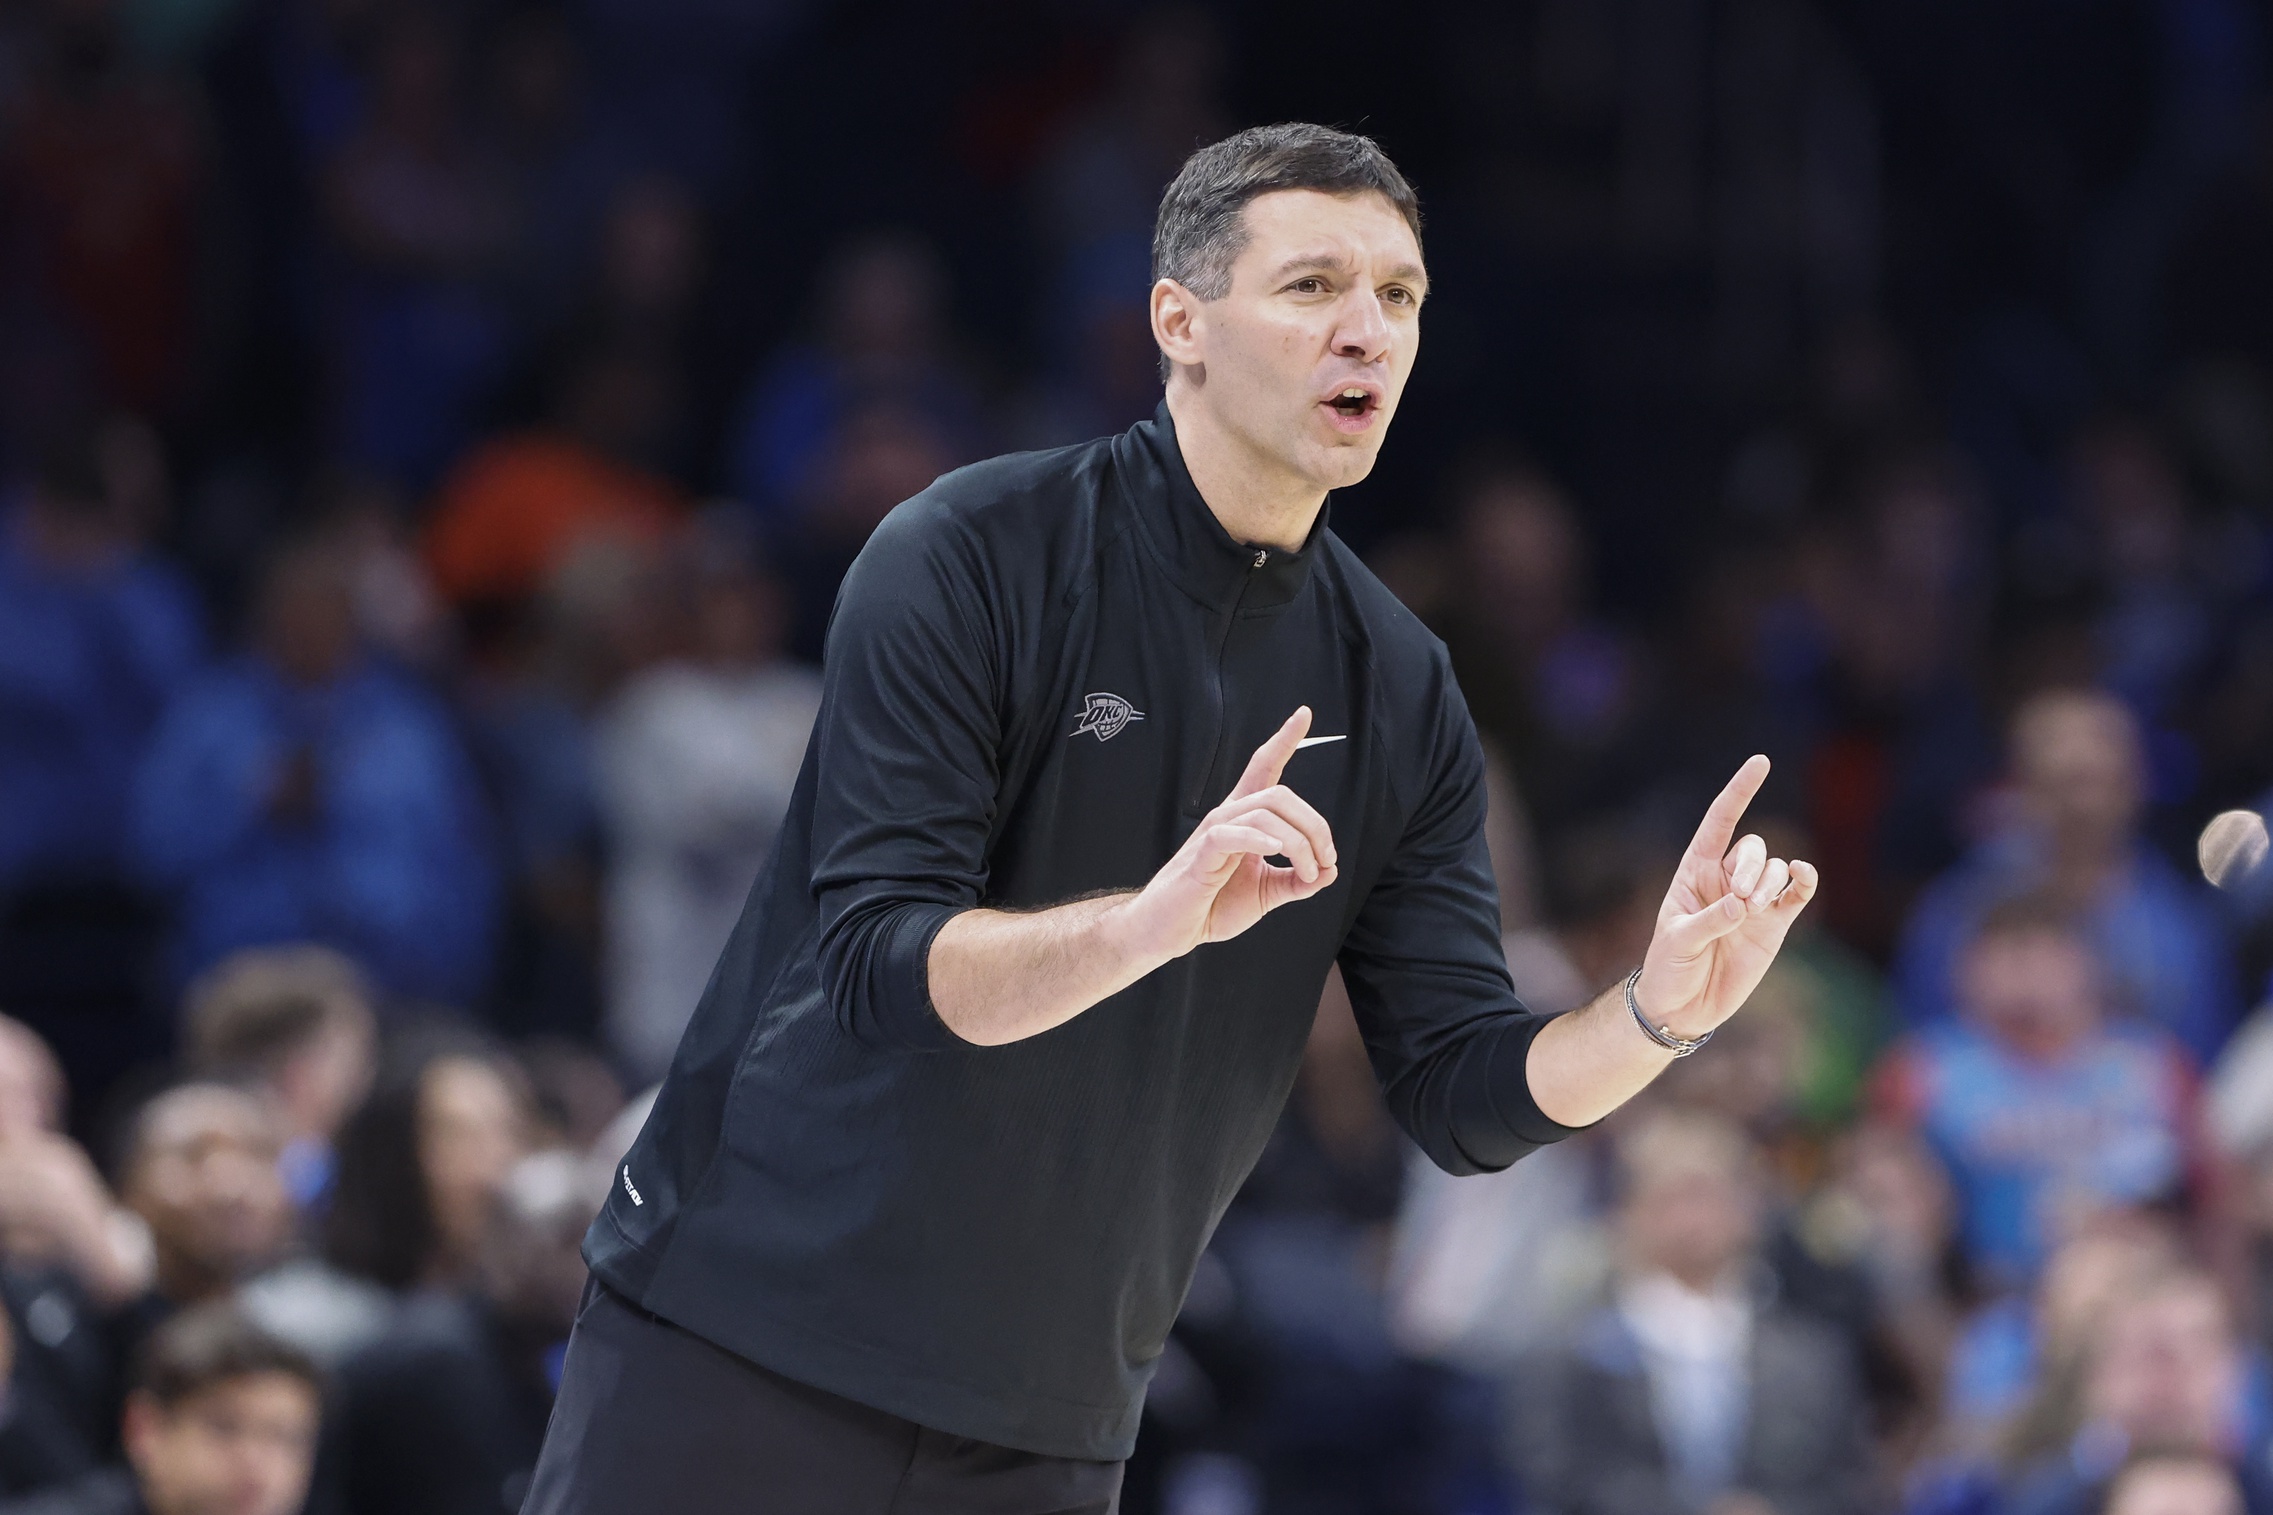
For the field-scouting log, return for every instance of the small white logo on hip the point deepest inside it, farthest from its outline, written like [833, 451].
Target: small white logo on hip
[628, 1189]
[1104, 716]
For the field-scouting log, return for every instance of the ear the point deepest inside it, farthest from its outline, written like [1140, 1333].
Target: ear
[1178, 323]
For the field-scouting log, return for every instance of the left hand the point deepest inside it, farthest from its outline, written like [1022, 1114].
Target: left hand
[1723, 919]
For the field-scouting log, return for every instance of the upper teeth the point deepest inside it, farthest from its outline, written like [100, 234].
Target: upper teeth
[1353, 394]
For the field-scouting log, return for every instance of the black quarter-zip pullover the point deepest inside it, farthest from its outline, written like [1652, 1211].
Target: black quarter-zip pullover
[1040, 673]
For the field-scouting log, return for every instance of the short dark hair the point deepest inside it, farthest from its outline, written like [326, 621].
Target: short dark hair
[210, 1344]
[1199, 233]
[259, 1006]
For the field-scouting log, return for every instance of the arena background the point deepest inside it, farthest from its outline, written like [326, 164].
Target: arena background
[430, 438]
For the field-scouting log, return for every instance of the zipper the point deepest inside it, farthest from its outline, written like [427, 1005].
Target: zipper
[1205, 796]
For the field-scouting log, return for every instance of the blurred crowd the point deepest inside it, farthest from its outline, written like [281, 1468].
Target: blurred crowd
[430, 439]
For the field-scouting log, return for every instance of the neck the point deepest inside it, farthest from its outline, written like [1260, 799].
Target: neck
[1257, 500]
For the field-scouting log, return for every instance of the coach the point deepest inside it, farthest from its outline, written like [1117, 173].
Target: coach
[1020, 996]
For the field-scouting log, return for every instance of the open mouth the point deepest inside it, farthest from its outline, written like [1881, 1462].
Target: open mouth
[1354, 403]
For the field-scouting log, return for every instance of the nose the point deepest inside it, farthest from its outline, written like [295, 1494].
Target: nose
[1362, 332]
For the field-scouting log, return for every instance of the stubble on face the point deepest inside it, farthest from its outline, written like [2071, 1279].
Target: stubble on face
[1307, 353]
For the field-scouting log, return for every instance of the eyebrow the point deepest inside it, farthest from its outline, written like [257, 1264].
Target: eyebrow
[1411, 273]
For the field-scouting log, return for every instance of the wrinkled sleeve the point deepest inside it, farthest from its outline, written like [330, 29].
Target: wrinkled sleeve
[907, 762]
[1427, 974]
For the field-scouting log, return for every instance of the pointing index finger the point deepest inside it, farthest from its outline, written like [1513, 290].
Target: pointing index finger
[1719, 825]
[1269, 761]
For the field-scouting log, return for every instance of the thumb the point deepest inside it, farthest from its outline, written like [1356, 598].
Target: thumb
[1688, 935]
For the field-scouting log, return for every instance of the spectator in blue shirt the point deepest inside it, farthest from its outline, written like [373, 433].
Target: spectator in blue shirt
[94, 635]
[2080, 786]
[308, 792]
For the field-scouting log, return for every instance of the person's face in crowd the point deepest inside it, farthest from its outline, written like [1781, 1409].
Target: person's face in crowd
[1325, 302]
[883, 304]
[2035, 990]
[2080, 769]
[244, 1446]
[322, 1082]
[739, 620]
[2091, 1271]
[2136, 501]
[471, 1131]
[2165, 1369]
[204, 1176]
[308, 616]
[2175, 1486]
[31, 1085]
[1902, 1192]
[1695, 1219]
[1523, 556]
[883, 455]
[652, 249]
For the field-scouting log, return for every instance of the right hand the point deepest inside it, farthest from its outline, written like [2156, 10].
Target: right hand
[1218, 884]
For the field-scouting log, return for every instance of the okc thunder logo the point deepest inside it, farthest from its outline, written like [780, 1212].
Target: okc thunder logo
[1104, 716]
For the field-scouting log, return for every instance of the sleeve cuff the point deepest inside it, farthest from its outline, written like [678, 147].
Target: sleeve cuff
[897, 1009]
[1495, 1118]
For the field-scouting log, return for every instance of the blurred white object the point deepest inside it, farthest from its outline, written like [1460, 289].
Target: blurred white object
[695, 768]
[2231, 847]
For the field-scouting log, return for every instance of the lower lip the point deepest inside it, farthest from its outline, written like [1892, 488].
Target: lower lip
[1349, 425]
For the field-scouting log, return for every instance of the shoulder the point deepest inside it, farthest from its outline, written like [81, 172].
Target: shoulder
[989, 537]
[1020, 499]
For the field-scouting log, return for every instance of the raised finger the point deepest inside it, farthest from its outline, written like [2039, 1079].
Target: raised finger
[1727, 808]
[1773, 880]
[1744, 864]
[1297, 812]
[1269, 761]
[1803, 886]
[1292, 844]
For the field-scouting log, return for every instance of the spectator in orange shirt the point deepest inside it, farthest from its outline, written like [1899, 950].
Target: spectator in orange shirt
[514, 509]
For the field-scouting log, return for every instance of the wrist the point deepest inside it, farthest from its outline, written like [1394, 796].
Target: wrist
[1675, 1032]
[1130, 936]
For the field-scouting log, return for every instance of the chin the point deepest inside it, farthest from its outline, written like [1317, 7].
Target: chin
[1340, 467]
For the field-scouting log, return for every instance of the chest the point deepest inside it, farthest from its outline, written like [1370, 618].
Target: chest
[1145, 709]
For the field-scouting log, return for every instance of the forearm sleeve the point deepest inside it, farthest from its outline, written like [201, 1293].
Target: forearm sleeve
[906, 747]
[1428, 977]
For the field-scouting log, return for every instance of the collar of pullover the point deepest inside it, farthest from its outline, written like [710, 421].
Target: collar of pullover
[1212, 567]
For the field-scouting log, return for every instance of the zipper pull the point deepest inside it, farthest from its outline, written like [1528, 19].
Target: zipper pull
[1262, 556]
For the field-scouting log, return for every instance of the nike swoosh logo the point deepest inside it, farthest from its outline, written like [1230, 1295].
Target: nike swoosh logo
[1312, 741]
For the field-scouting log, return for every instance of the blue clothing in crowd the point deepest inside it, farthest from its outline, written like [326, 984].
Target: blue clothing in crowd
[2025, 1141]
[393, 865]
[87, 661]
[2160, 938]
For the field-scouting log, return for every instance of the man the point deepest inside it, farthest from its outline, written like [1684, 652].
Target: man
[2044, 1109]
[1021, 994]
[1694, 1388]
[2079, 767]
[221, 1421]
[299, 1022]
[309, 792]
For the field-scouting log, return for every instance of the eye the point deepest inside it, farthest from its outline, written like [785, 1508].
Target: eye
[1398, 294]
[1310, 284]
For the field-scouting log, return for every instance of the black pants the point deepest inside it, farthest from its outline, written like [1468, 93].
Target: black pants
[654, 1420]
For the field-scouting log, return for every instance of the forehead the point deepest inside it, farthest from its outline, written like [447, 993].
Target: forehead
[196, 1116]
[1363, 230]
